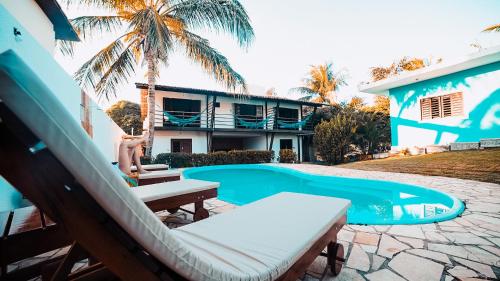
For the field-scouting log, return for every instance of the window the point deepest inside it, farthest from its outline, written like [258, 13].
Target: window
[442, 106]
[286, 144]
[217, 104]
[181, 145]
[182, 109]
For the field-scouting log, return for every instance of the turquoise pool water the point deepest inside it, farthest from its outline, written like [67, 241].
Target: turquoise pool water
[373, 201]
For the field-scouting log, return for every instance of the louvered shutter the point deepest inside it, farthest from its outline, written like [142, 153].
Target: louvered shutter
[457, 104]
[425, 108]
[446, 105]
[435, 107]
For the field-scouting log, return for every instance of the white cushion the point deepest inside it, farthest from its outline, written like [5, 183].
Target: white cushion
[168, 189]
[160, 174]
[33, 101]
[150, 167]
[264, 238]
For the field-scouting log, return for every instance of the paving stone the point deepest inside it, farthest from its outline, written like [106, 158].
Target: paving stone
[390, 246]
[377, 262]
[430, 254]
[415, 243]
[317, 268]
[368, 248]
[448, 278]
[479, 267]
[384, 275]
[483, 218]
[461, 272]
[480, 233]
[466, 238]
[308, 277]
[407, 230]
[483, 255]
[363, 228]
[345, 235]
[495, 240]
[382, 228]
[453, 250]
[366, 238]
[347, 274]
[453, 229]
[428, 227]
[448, 223]
[358, 259]
[484, 207]
[491, 249]
[415, 268]
[435, 236]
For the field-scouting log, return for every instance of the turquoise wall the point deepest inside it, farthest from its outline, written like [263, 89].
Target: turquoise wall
[481, 93]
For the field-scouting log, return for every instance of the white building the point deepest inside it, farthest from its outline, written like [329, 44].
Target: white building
[198, 121]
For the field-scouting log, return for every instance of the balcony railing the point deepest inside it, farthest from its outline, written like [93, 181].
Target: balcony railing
[203, 119]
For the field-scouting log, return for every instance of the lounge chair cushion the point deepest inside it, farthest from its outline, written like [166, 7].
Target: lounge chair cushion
[168, 189]
[150, 167]
[160, 174]
[261, 240]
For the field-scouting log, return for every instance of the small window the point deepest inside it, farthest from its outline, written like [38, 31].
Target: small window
[286, 144]
[442, 106]
[217, 104]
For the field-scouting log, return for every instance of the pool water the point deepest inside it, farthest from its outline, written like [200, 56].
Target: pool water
[373, 201]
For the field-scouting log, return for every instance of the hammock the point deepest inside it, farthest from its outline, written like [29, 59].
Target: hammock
[294, 125]
[182, 121]
[255, 124]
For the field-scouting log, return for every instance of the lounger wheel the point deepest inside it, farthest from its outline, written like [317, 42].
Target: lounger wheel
[200, 214]
[335, 257]
[173, 210]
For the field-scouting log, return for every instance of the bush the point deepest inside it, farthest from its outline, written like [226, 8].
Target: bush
[182, 160]
[287, 156]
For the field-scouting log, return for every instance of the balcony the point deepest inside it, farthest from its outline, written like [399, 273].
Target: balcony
[203, 121]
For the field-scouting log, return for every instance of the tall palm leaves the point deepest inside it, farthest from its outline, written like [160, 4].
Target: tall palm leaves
[493, 28]
[150, 30]
[321, 83]
[404, 64]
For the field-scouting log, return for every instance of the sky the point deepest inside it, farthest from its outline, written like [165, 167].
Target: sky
[292, 35]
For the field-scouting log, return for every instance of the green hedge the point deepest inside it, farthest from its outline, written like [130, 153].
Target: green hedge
[181, 160]
[287, 156]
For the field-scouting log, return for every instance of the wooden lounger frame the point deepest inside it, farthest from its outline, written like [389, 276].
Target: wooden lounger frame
[158, 180]
[41, 177]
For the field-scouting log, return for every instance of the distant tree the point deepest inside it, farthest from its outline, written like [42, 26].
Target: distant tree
[357, 103]
[381, 104]
[322, 83]
[493, 28]
[404, 64]
[271, 92]
[127, 115]
[373, 130]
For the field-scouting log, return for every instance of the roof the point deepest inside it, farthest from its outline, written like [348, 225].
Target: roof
[62, 27]
[224, 94]
[482, 57]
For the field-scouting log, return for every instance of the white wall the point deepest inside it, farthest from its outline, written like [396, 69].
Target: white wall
[106, 133]
[276, 144]
[162, 142]
[255, 143]
[33, 19]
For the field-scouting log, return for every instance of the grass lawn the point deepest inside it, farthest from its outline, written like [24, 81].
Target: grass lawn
[480, 165]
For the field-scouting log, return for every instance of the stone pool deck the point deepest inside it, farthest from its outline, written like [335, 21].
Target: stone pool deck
[465, 248]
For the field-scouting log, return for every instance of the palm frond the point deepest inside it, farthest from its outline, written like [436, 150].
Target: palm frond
[66, 48]
[103, 4]
[226, 15]
[213, 62]
[157, 38]
[493, 28]
[303, 91]
[85, 26]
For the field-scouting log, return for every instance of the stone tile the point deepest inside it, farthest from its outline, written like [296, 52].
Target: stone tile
[345, 235]
[448, 278]
[483, 255]
[453, 250]
[491, 249]
[308, 277]
[377, 262]
[484, 207]
[416, 268]
[358, 259]
[448, 223]
[453, 229]
[479, 267]
[363, 228]
[384, 275]
[223, 209]
[318, 267]
[430, 254]
[435, 236]
[347, 274]
[461, 272]
[382, 228]
[366, 238]
[495, 240]
[390, 246]
[407, 230]
[428, 227]
[368, 248]
[466, 238]
[414, 243]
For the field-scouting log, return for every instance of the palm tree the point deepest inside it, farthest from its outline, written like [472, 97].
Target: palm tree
[404, 64]
[321, 83]
[493, 28]
[150, 30]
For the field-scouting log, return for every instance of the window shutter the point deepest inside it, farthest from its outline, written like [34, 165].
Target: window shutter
[457, 104]
[446, 100]
[435, 107]
[425, 108]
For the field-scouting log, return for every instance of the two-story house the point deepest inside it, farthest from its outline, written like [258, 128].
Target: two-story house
[200, 121]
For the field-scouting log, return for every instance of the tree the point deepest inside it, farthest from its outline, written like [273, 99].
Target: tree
[152, 30]
[127, 115]
[404, 64]
[373, 129]
[381, 104]
[357, 103]
[322, 83]
[493, 28]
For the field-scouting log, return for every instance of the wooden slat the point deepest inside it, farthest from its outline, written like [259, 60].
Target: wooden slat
[25, 219]
[435, 107]
[425, 109]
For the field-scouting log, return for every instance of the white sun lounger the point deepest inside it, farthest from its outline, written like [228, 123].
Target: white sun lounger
[159, 176]
[151, 167]
[276, 238]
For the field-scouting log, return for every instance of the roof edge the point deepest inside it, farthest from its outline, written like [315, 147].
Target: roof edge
[62, 27]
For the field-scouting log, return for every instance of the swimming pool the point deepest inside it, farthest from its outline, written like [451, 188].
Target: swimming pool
[373, 201]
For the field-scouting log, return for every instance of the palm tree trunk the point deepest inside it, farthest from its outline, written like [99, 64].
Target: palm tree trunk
[151, 74]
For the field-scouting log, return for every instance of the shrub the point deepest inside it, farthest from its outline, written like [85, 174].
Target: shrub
[182, 160]
[287, 156]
